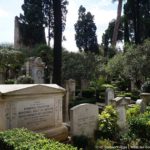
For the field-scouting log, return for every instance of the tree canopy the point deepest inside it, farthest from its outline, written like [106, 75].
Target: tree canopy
[86, 39]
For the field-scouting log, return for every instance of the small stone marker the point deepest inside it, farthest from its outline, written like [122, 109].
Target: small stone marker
[37, 107]
[121, 103]
[142, 104]
[71, 87]
[109, 95]
[84, 119]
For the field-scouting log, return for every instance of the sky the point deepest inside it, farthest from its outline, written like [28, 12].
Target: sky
[103, 10]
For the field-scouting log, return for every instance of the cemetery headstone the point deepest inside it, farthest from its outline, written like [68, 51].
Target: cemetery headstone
[37, 107]
[83, 119]
[146, 98]
[35, 69]
[84, 84]
[121, 103]
[38, 70]
[142, 104]
[109, 95]
[71, 87]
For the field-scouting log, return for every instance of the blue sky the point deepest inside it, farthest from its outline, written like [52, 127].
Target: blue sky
[103, 10]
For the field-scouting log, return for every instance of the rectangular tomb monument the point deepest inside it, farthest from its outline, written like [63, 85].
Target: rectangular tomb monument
[37, 107]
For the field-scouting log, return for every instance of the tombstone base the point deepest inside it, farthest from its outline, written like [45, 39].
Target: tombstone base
[58, 133]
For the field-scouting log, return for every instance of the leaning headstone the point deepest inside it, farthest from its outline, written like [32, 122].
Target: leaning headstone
[37, 107]
[83, 119]
[121, 103]
[109, 95]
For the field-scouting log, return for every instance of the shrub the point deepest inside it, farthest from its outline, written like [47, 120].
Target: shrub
[140, 127]
[105, 86]
[23, 139]
[25, 80]
[88, 93]
[102, 144]
[78, 101]
[9, 81]
[134, 111]
[107, 124]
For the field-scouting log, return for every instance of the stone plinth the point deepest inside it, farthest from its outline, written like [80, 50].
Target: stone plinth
[121, 103]
[37, 107]
[83, 119]
[146, 98]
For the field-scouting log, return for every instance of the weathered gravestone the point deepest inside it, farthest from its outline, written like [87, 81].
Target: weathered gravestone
[109, 95]
[142, 105]
[83, 119]
[121, 104]
[84, 84]
[35, 69]
[37, 107]
[71, 87]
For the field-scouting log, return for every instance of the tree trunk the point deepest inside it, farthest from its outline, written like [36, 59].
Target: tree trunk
[117, 23]
[57, 42]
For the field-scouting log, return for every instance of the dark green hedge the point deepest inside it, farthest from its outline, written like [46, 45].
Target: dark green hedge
[23, 139]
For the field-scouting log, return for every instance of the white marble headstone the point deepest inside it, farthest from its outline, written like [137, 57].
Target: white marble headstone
[83, 119]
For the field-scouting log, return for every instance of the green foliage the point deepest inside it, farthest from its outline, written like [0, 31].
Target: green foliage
[98, 83]
[81, 100]
[25, 80]
[88, 93]
[140, 127]
[107, 126]
[80, 66]
[104, 144]
[134, 94]
[105, 86]
[9, 81]
[137, 69]
[86, 39]
[146, 87]
[23, 139]
[115, 65]
[134, 111]
[10, 59]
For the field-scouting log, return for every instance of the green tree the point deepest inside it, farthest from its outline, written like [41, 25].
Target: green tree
[86, 39]
[11, 60]
[109, 52]
[81, 66]
[49, 16]
[32, 23]
[137, 20]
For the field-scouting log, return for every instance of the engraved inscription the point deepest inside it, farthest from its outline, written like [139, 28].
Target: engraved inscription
[36, 114]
